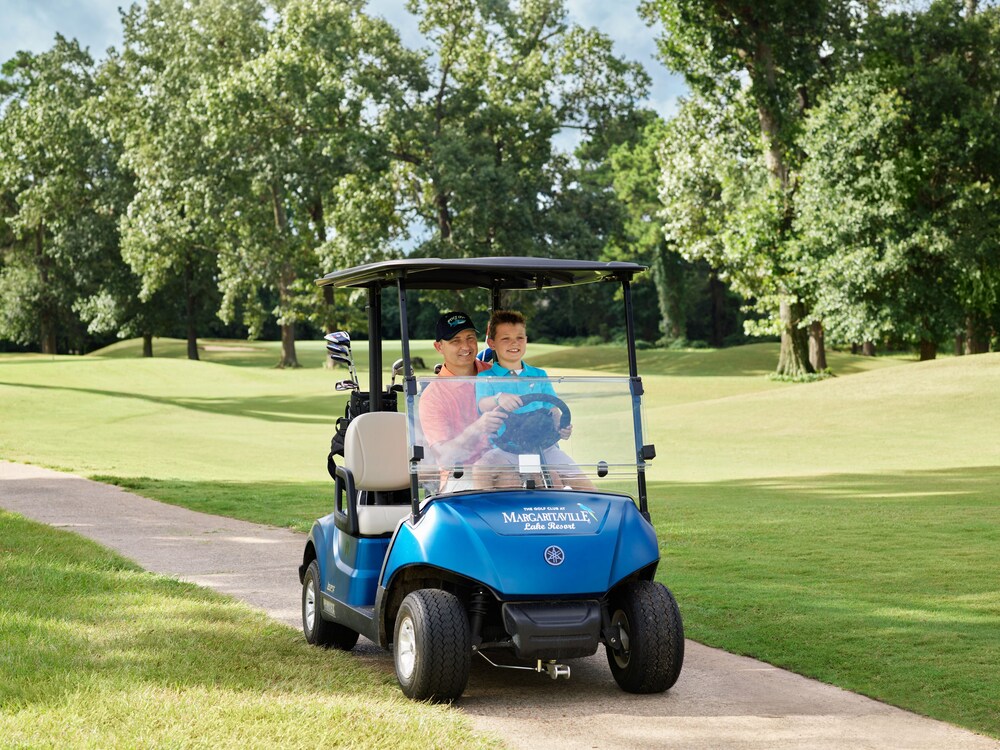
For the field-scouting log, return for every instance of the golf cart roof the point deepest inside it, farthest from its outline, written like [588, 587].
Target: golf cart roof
[487, 273]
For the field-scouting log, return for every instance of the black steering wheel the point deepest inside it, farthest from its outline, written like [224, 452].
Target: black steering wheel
[533, 431]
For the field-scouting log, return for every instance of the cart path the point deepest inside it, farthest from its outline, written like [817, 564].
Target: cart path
[720, 701]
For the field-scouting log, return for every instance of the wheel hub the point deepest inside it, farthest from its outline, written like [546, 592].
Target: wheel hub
[310, 605]
[406, 649]
[623, 653]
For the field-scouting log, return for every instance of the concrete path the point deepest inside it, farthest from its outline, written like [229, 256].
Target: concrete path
[720, 701]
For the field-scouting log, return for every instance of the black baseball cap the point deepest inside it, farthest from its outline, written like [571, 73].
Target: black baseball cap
[452, 323]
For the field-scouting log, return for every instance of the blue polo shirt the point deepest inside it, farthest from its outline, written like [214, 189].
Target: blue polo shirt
[515, 384]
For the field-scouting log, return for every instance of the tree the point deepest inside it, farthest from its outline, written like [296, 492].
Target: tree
[479, 170]
[296, 139]
[173, 52]
[57, 183]
[635, 177]
[899, 210]
[785, 51]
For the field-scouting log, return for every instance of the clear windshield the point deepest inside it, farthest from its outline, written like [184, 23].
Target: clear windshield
[505, 432]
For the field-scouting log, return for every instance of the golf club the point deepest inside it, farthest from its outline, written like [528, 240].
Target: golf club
[339, 349]
[339, 337]
[341, 353]
[397, 368]
[346, 385]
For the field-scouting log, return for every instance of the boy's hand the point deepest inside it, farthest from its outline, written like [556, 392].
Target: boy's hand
[508, 401]
[564, 432]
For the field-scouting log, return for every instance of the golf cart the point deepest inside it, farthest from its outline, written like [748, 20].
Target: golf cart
[525, 575]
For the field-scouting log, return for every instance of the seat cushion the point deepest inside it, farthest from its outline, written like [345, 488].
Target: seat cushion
[375, 451]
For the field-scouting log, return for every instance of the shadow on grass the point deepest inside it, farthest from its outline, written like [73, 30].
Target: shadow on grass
[883, 584]
[289, 409]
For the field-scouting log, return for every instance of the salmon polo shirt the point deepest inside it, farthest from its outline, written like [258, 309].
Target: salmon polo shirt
[448, 408]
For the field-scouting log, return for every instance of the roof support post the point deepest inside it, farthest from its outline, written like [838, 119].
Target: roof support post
[375, 347]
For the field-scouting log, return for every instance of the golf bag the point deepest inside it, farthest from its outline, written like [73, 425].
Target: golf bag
[359, 403]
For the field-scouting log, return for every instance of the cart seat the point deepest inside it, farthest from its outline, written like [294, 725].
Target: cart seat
[375, 452]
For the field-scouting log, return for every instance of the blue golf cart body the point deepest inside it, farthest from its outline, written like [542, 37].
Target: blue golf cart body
[423, 558]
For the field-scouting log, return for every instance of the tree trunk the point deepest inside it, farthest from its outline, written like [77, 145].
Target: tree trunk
[147, 345]
[444, 217]
[817, 348]
[764, 74]
[285, 281]
[868, 349]
[793, 360]
[668, 276]
[717, 292]
[959, 344]
[48, 333]
[977, 334]
[288, 358]
[46, 319]
[191, 309]
[928, 350]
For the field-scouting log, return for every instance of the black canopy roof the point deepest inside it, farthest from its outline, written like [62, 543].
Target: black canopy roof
[487, 273]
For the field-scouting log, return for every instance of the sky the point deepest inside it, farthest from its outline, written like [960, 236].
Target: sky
[33, 24]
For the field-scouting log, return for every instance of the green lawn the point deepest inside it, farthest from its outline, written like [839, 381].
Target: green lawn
[846, 529]
[98, 654]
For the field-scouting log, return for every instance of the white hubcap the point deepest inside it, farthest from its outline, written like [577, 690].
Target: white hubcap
[310, 605]
[406, 649]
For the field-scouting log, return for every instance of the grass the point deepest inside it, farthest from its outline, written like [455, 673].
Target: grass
[846, 529]
[884, 584]
[100, 654]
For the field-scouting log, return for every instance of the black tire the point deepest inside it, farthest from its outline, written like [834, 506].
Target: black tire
[432, 646]
[320, 632]
[652, 634]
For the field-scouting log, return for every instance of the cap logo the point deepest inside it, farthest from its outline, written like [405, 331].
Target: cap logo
[455, 320]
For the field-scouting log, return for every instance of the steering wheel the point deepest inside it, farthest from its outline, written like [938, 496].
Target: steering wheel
[533, 431]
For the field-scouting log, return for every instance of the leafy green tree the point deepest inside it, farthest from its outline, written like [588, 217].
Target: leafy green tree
[900, 216]
[173, 52]
[635, 177]
[57, 195]
[785, 52]
[479, 172]
[299, 161]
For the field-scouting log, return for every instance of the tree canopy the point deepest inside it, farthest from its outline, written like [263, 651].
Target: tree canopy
[833, 170]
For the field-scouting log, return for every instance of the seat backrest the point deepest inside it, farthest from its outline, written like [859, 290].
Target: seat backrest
[375, 451]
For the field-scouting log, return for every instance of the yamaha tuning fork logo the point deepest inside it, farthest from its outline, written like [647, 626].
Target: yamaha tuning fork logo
[554, 555]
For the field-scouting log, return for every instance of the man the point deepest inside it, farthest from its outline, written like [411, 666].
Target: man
[455, 433]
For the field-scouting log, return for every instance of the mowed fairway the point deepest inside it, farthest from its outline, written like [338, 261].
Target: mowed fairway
[847, 529]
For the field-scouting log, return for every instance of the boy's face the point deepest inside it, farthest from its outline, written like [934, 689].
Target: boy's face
[509, 342]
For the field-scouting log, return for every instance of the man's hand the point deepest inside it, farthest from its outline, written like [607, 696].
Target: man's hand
[489, 423]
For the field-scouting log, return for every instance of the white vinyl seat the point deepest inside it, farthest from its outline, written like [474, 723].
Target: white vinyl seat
[376, 454]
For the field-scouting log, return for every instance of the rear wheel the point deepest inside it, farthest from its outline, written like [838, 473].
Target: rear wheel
[652, 638]
[432, 647]
[320, 632]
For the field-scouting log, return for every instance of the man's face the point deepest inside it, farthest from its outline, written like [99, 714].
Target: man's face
[509, 342]
[459, 352]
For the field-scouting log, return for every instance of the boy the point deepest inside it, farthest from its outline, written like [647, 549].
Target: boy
[507, 335]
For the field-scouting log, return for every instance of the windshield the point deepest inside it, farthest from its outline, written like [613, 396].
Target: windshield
[581, 433]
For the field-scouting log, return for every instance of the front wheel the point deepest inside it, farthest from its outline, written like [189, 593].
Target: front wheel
[320, 632]
[651, 651]
[432, 647]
